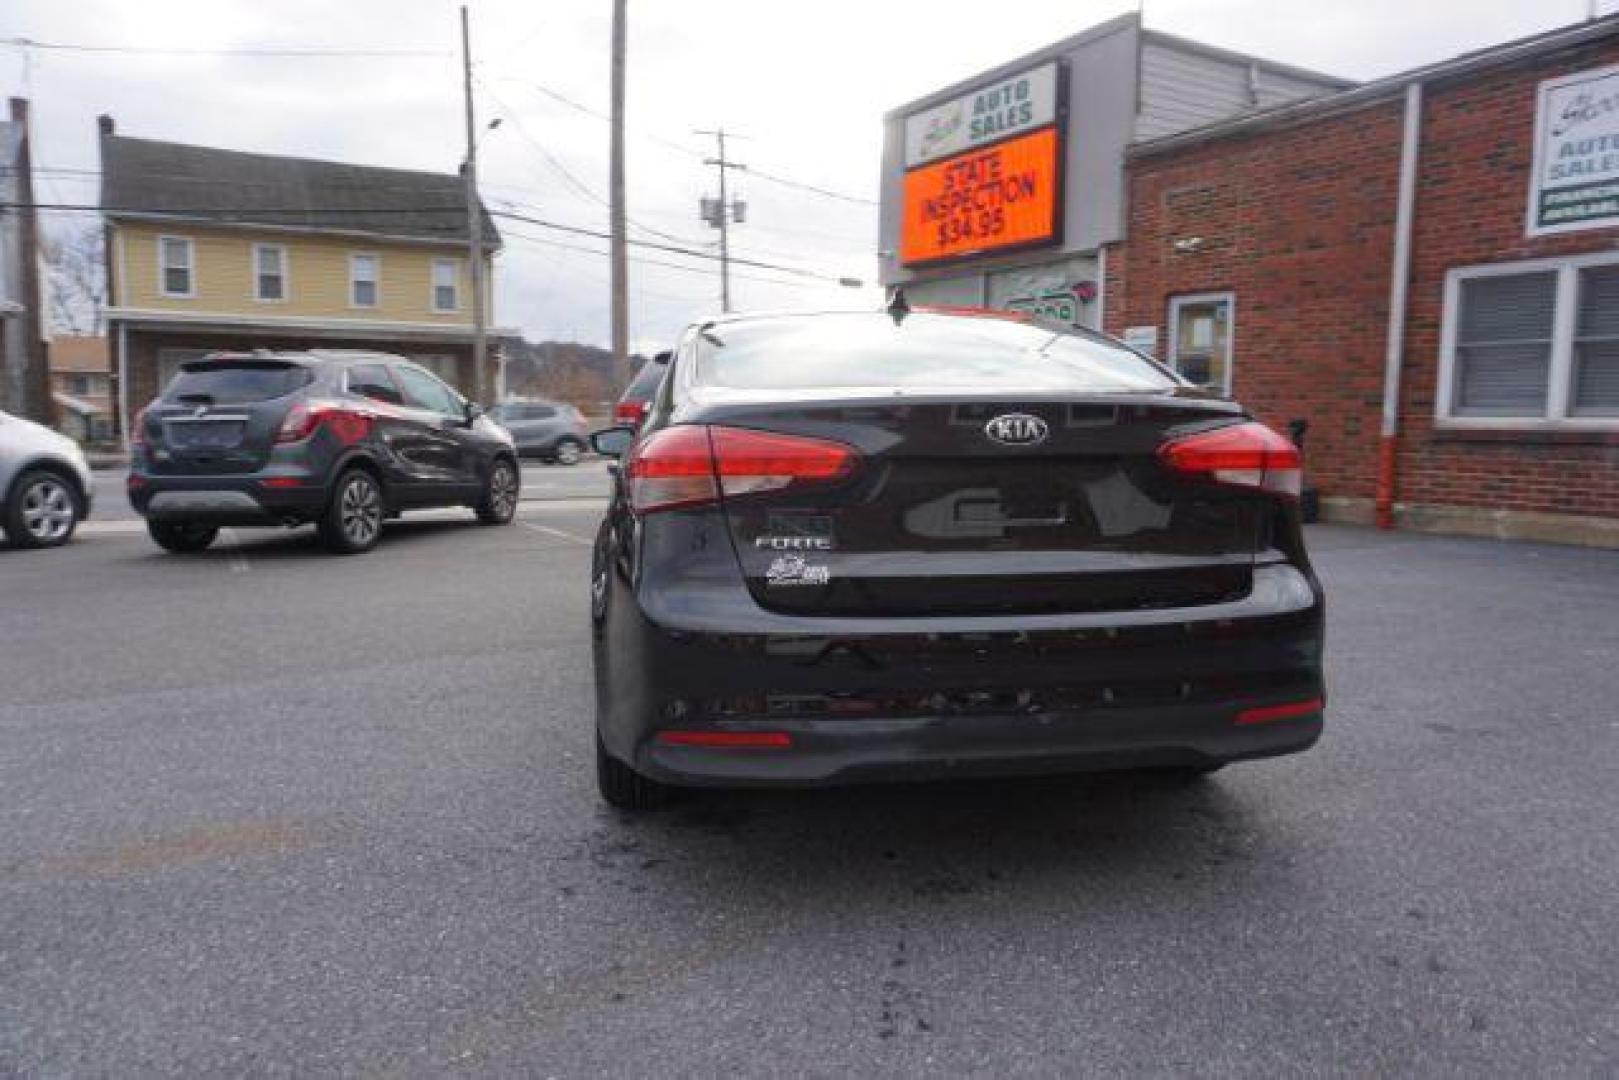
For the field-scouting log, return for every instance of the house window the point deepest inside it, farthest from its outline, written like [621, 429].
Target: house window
[1200, 335]
[269, 272]
[1532, 344]
[174, 266]
[446, 274]
[363, 280]
[87, 385]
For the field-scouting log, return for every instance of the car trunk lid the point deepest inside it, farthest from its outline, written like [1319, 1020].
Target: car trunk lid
[974, 505]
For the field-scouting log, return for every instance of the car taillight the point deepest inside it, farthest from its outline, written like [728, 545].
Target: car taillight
[692, 465]
[137, 428]
[302, 420]
[1247, 455]
[630, 413]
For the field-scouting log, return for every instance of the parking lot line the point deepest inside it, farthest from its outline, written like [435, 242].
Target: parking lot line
[558, 533]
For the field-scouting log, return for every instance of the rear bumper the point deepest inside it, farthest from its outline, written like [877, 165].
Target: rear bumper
[894, 699]
[224, 500]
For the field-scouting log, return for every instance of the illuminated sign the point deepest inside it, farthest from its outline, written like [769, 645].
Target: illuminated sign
[1003, 196]
[1000, 109]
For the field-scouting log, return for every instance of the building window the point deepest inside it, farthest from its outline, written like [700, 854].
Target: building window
[1532, 344]
[269, 272]
[1201, 329]
[175, 266]
[363, 280]
[446, 275]
[87, 385]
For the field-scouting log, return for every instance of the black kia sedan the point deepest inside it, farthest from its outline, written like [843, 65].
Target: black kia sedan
[340, 439]
[851, 547]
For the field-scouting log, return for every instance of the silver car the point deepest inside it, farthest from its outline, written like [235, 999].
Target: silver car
[552, 430]
[44, 481]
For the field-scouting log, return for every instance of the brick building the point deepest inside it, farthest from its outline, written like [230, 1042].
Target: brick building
[1455, 352]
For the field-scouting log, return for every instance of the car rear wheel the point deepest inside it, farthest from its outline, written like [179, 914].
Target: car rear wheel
[568, 451]
[626, 789]
[43, 510]
[499, 503]
[353, 520]
[181, 538]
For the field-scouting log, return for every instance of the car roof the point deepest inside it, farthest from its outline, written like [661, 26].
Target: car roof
[305, 357]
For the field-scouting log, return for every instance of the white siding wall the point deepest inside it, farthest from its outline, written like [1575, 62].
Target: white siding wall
[1182, 89]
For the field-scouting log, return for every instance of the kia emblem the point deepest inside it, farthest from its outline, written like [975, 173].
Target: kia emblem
[1017, 429]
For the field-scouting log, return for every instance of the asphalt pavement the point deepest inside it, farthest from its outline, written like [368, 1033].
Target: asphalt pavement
[267, 810]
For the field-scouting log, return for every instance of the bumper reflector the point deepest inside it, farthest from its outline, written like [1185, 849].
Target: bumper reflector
[1290, 711]
[728, 740]
[282, 482]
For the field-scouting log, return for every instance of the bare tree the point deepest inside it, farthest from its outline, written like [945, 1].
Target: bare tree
[75, 278]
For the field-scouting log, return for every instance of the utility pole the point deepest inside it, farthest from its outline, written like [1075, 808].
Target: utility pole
[620, 249]
[469, 180]
[720, 212]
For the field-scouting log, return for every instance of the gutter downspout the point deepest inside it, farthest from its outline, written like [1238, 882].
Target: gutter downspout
[1399, 283]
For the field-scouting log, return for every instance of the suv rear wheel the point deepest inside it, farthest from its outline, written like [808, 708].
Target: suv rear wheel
[43, 510]
[568, 451]
[352, 522]
[182, 538]
[499, 502]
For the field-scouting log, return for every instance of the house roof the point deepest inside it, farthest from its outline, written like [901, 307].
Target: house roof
[79, 353]
[149, 179]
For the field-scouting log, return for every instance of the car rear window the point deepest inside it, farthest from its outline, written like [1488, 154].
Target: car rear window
[645, 383]
[919, 352]
[237, 382]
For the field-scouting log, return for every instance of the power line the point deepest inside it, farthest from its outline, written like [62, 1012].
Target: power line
[579, 186]
[642, 260]
[234, 216]
[771, 177]
[64, 46]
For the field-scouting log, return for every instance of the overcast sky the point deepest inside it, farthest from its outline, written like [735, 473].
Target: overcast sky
[806, 84]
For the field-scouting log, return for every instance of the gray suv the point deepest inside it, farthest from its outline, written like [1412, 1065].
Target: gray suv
[45, 487]
[552, 430]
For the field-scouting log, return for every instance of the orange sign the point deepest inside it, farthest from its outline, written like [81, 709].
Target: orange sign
[982, 200]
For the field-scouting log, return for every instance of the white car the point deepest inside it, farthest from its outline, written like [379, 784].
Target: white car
[45, 484]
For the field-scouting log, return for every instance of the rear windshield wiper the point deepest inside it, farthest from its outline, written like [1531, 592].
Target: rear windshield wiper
[195, 399]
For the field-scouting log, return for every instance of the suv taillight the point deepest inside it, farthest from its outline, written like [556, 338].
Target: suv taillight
[693, 465]
[1248, 455]
[302, 420]
[630, 413]
[137, 428]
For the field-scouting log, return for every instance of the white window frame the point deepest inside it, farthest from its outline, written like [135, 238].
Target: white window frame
[286, 275]
[1560, 371]
[433, 286]
[1175, 305]
[376, 261]
[190, 267]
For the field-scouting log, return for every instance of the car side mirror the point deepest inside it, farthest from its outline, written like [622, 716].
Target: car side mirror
[663, 358]
[612, 442]
[473, 410]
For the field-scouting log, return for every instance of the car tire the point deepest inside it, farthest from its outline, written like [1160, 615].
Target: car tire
[352, 522]
[180, 537]
[43, 510]
[624, 788]
[501, 487]
[568, 452]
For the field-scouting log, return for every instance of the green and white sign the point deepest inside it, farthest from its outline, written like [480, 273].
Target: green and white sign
[992, 112]
[1575, 183]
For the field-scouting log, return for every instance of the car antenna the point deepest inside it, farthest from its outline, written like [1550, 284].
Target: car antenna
[898, 307]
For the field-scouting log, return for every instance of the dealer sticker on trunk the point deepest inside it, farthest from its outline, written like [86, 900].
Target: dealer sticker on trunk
[795, 570]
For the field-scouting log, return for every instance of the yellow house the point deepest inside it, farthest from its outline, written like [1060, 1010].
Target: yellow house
[212, 249]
